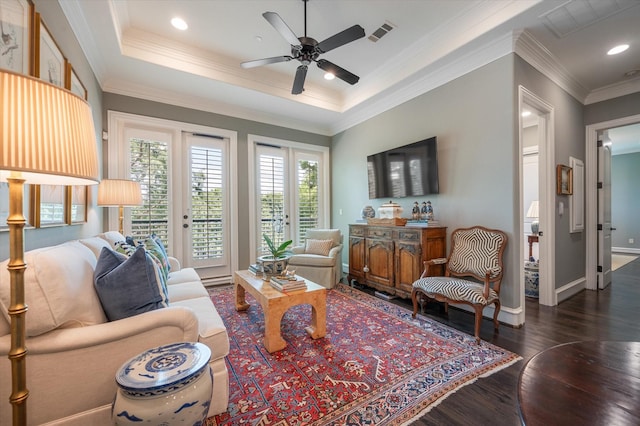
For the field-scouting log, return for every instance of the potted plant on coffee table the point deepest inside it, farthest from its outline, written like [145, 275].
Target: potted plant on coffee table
[276, 261]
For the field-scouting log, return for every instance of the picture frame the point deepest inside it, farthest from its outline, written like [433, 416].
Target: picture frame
[15, 28]
[49, 204]
[50, 62]
[576, 201]
[564, 180]
[76, 205]
[74, 84]
[4, 205]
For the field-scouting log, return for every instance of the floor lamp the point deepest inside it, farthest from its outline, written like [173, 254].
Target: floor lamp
[119, 193]
[47, 136]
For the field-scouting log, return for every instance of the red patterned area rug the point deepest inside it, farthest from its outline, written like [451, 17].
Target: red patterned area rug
[376, 365]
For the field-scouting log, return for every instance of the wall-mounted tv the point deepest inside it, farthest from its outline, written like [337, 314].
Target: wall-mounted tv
[406, 171]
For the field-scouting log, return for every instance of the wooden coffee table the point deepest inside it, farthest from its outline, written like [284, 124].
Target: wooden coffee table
[275, 303]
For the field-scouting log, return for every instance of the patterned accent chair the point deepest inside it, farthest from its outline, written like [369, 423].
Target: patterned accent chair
[319, 259]
[476, 254]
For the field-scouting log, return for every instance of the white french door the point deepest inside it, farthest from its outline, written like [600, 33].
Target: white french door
[188, 189]
[206, 241]
[291, 190]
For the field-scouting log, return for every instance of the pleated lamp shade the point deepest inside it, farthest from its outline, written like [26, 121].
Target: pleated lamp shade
[119, 192]
[47, 134]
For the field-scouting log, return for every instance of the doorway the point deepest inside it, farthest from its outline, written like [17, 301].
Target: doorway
[596, 250]
[536, 184]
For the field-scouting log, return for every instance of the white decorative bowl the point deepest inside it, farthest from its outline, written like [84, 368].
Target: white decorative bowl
[167, 385]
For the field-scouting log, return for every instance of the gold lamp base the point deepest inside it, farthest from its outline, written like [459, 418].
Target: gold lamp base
[18, 307]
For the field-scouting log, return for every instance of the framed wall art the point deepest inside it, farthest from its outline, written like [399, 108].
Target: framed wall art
[76, 204]
[576, 201]
[74, 84]
[15, 33]
[50, 63]
[564, 180]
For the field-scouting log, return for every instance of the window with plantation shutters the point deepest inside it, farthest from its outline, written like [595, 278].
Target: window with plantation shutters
[307, 195]
[271, 177]
[188, 179]
[291, 193]
[207, 203]
[149, 167]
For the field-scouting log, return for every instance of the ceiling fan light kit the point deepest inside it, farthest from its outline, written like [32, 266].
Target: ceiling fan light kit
[307, 50]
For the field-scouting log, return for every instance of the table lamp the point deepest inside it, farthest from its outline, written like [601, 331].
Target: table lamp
[534, 213]
[47, 136]
[119, 193]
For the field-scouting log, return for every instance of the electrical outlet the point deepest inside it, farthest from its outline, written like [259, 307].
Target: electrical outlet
[631, 241]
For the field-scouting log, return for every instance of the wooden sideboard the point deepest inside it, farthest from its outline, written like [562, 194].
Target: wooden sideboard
[391, 258]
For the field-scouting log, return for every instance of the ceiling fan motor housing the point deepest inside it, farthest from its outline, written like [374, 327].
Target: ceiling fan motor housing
[306, 52]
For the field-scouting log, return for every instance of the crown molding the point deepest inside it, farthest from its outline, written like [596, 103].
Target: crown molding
[613, 91]
[447, 69]
[538, 56]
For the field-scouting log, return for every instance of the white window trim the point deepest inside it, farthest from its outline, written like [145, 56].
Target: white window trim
[251, 169]
[119, 121]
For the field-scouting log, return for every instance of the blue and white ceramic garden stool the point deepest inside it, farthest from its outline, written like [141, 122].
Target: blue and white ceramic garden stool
[167, 385]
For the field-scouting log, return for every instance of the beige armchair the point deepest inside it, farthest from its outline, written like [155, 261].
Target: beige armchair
[319, 259]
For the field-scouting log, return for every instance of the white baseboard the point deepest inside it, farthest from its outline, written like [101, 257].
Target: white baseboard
[570, 289]
[628, 250]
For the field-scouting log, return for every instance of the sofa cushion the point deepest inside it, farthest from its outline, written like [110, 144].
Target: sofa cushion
[184, 275]
[311, 260]
[186, 290]
[59, 289]
[321, 247]
[95, 244]
[127, 286]
[112, 237]
[211, 328]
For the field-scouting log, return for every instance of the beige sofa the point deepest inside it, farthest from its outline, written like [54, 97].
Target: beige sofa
[74, 352]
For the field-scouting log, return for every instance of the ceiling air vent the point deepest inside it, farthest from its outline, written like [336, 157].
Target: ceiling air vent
[382, 31]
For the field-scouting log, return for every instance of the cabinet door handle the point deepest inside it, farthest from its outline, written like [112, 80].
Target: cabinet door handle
[365, 269]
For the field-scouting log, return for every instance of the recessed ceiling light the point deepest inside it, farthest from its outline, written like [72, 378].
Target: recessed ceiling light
[329, 76]
[179, 23]
[618, 49]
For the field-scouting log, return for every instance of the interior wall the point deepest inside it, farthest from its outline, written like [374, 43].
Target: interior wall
[625, 202]
[570, 248]
[57, 24]
[243, 127]
[474, 119]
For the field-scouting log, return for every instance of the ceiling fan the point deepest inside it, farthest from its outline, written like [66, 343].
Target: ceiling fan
[306, 50]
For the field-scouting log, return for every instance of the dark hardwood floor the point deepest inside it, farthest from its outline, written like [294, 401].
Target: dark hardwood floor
[609, 314]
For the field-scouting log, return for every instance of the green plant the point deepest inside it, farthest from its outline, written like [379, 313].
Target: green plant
[279, 251]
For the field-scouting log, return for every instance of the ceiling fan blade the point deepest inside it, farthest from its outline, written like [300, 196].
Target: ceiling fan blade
[298, 82]
[342, 38]
[341, 73]
[265, 61]
[278, 23]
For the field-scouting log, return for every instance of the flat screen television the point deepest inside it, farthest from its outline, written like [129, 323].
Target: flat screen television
[407, 171]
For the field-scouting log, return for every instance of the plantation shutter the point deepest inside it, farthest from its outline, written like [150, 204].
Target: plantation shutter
[207, 203]
[307, 187]
[271, 179]
[149, 166]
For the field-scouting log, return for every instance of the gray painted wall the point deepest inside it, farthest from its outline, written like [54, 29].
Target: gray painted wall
[473, 119]
[58, 26]
[569, 141]
[625, 200]
[624, 106]
[243, 127]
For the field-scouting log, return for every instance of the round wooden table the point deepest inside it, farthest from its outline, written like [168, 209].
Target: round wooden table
[582, 383]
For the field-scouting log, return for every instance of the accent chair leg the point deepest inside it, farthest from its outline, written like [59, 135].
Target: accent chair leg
[496, 324]
[414, 299]
[478, 309]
